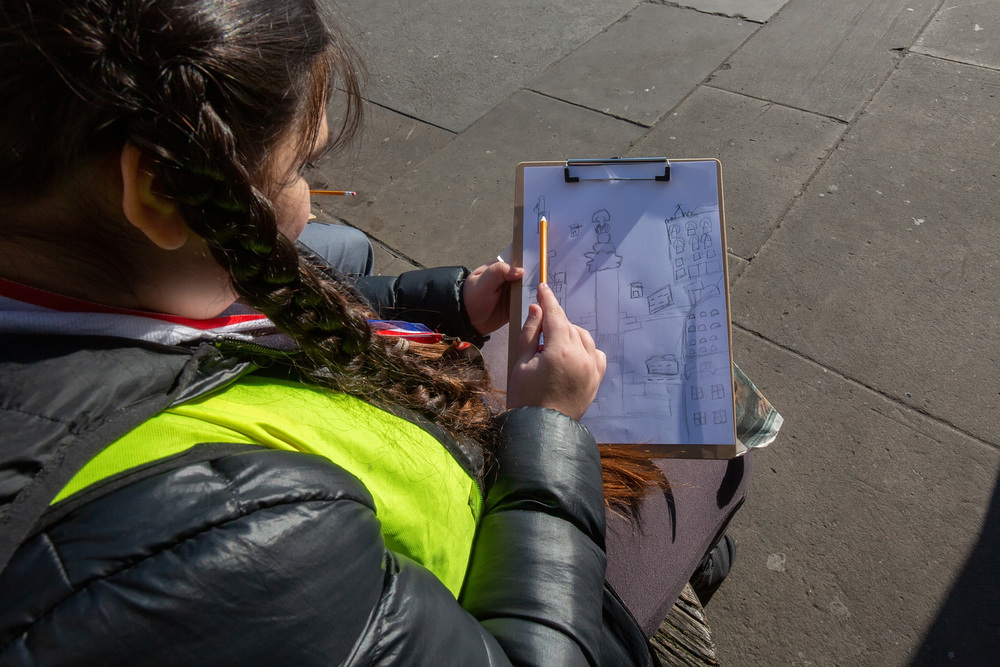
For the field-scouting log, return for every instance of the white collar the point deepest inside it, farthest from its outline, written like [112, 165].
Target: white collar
[27, 310]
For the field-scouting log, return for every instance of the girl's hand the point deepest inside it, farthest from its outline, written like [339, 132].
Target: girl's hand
[486, 295]
[564, 375]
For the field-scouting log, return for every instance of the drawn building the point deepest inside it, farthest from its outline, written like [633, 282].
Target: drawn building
[698, 270]
[603, 264]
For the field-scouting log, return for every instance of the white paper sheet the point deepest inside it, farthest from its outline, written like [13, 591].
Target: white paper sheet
[641, 265]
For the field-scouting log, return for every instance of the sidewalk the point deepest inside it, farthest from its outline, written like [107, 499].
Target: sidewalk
[860, 144]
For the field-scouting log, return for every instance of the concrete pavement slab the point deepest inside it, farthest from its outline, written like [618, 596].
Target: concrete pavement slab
[768, 153]
[826, 57]
[755, 10]
[389, 146]
[448, 62]
[967, 32]
[457, 206]
[646, 63]
[857, 524]
[389, 262]
[886, 269]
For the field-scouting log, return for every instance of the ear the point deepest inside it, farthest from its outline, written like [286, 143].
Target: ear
[154, 215]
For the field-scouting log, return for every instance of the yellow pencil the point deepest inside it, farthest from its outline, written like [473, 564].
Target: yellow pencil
[348, 193]
[543, 250]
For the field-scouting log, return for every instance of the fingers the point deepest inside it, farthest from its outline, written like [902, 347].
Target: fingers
[531, 332]
[506, 271]
[602, 362]
[497, 273]
[586, 339]
[556, 327]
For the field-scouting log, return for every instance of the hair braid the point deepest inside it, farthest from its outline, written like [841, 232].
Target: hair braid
[199, 165]
[207, 89]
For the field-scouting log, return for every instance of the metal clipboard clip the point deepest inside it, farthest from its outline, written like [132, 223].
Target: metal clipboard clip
[618, 169]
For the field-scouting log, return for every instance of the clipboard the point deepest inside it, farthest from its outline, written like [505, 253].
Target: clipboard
[637, 256]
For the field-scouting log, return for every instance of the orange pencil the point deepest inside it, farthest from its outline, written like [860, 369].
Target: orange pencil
[543, 250]
[349, 193]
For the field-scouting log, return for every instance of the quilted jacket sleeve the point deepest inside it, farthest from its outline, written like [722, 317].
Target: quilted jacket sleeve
[537, 571]
[274, 557]
[432, 297]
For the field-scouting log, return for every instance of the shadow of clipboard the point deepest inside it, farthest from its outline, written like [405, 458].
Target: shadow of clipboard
[644, 239]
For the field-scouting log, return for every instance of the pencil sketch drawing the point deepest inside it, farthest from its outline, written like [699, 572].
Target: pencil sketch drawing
[651, 291]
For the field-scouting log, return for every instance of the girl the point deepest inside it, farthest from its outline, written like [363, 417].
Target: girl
[208, 454]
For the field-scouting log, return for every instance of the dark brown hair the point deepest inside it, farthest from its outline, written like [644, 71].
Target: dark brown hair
[207, 90]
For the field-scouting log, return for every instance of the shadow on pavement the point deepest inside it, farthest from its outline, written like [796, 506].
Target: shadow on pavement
[967, 628]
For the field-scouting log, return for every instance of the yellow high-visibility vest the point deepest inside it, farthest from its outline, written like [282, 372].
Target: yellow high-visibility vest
[428, 505]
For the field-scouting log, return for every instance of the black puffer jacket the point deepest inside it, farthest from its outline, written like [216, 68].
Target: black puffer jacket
[238, 555]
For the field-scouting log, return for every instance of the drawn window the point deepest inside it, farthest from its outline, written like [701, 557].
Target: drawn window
[716, 325]
[679, 262]
[692, 329]
[700, 418]
[719, 416]
[718, 391]
[706, 241]
[697, 392]
[673, 232]
[679, 274]
[692, 229]
[715, 311]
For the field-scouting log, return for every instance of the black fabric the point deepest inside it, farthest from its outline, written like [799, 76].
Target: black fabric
[269, 558]
[272, 557]
[622, 640]
[713, 569]
[538, 551]
[63, 399]
[432, 297]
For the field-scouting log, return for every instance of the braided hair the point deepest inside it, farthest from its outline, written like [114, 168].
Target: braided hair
[206, 89]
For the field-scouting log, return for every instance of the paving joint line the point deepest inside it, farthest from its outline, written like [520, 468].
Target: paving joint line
[892, 399]
[737, 17]
[412, 117]
[398, 254]
[952, 60]
[585, 107]
[839, 121]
